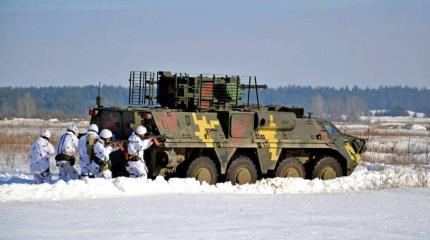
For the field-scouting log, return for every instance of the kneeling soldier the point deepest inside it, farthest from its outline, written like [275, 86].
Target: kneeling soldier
[66, 151]
[102, 149]
[86, 149]
[41, 152]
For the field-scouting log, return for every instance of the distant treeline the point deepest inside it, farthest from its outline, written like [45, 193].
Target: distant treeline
[56, 102]
[351, 101]
[74, 102]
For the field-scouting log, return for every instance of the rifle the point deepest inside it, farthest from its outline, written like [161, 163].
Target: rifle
[121, 144]
[160, 138]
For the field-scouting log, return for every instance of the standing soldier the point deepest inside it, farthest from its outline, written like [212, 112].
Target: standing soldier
[137, 144]
[102, 149]
[41, 151]
[86, 149]
[66, 151]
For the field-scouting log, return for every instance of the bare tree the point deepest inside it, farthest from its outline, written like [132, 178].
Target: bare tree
[335, 108]
[318, 106]
[5, 110]
[26, 106]
[355, 106]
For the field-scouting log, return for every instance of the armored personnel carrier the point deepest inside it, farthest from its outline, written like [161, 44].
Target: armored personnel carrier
[213, 133]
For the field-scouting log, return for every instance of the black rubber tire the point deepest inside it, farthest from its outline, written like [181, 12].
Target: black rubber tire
[290, 167]
[326, 168]
[241, 171]
[203, 169]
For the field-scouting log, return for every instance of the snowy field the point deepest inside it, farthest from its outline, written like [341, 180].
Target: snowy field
[393, 140]
[382, 199]
[18, 186]
[387, 214]
[18, 133]
[376, 202]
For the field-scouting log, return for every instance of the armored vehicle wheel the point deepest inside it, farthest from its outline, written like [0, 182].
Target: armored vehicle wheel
[203, 169]
[290, 167]
[327, 168]
[241, 171]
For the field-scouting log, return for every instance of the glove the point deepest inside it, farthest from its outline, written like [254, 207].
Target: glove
[104, 167]
[46, 173]
[72, 161]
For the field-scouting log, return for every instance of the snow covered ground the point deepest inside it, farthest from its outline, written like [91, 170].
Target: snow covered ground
[393, 140]
[18, 133]
[37, 122]
[401, 119]
[32, 126]
[343, 208]
[387, 214]
[20, 186]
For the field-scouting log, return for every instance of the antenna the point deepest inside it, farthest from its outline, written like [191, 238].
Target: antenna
[99, 99]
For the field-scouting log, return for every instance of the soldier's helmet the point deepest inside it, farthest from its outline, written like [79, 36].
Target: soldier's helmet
[45, 133]
[141, 130]
[105, 134]
[73, 129]
[93, 128]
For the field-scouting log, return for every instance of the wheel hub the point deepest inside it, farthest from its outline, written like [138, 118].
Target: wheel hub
[328, 173]
[203, 175]
[242, 176]
[291, 172]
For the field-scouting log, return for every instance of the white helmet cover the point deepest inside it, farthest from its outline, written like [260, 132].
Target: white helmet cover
[141, 130]
[94, 128]
[45, 133]
[105, 134]
[73, 128]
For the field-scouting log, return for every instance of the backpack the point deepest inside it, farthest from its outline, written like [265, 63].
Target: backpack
[91, 141]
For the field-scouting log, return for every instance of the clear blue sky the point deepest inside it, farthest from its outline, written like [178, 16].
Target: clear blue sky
[318, 43]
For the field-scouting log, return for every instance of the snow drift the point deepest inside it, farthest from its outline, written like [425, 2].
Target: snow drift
[20, 186]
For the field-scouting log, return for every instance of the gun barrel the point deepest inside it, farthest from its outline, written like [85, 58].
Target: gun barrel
[245, 86]
[159, 137]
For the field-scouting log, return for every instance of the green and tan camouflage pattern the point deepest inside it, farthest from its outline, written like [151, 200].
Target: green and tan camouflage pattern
[270, 134]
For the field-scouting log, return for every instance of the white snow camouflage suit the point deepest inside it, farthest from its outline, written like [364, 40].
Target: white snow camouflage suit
[40, 153]
[101, 155]
[136, 165]
[66, 151]
[85, 147]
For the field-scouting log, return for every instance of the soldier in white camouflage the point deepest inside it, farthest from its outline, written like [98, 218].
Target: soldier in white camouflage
[66, 154]
[86, 150]
[137, 144]
[41, 151]
[102, 149]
